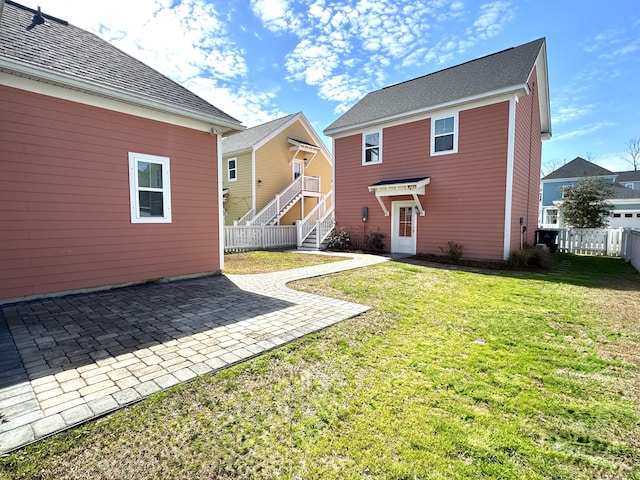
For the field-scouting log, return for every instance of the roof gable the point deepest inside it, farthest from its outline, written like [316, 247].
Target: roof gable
[255, 137]
[578, 168]
[249, 138]
[500, 72]
[63, 54]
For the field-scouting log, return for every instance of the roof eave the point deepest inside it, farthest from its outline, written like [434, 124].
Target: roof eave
[519, 90]
[14, 67]
[542, 73]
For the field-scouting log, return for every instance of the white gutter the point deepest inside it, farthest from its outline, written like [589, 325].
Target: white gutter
[19, 68]
[518, 90]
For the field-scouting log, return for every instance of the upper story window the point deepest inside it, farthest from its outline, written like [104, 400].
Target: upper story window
[371, 148]
[444, 134]
[232, 169]
[629, 185]
[149, 188]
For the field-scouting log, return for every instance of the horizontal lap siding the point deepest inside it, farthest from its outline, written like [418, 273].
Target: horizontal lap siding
[465, 199]
[527, 158]
[65, 221]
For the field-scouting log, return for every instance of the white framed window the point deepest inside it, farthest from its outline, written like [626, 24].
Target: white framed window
[232, 169]
[629, 185]
[444, 134]
[371, 148]
[149, 188]
[551, 216]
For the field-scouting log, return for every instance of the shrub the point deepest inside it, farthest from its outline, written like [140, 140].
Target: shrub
[373, 241]
[530, 258]
[338, 240]
[453, 252]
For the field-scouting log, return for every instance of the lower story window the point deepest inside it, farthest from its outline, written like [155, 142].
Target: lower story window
[149, 188]
[551, 216]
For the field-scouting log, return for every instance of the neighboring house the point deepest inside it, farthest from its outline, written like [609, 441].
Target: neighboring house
[625, 198]
[109, 170]
[453, 156]
[274, 173]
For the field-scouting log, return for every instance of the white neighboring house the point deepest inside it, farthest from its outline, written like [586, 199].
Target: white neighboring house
[625, 199]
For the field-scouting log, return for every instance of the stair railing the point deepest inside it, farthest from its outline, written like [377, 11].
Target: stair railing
[309, 223]
[272, 210]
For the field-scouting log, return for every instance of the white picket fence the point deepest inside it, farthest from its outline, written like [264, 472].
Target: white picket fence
[258, 237]
[631, 248]
[591, 241]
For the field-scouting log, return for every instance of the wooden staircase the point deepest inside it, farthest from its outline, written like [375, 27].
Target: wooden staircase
[287, 198]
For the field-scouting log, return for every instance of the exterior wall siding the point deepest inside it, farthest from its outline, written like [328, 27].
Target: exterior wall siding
[65, 220]
[526, 171]
[464, 202]
[240, 197]
[275, 171]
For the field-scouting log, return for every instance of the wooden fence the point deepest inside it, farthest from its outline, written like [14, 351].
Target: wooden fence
[258, 237]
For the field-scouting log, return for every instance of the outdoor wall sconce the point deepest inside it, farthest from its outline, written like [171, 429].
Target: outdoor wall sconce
[259, 183]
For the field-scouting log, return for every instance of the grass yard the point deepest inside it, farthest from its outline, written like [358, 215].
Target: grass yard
[453, 375]
[272, 261]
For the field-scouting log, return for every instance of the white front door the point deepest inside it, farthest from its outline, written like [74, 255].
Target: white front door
[403, 227]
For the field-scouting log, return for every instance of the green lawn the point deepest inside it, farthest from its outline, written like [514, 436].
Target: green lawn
[453, 374]
[272, 261]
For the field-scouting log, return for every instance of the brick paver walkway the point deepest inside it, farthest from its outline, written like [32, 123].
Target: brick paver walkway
[66, 360]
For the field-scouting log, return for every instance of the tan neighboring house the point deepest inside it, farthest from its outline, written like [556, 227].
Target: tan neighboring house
[274, 173]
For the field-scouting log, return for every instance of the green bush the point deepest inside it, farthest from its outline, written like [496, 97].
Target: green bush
[530, 258]
[338, 240]
[373, 241]
[453, 252]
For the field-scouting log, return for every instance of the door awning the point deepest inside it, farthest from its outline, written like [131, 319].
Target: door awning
[406, 186]
[309, 151]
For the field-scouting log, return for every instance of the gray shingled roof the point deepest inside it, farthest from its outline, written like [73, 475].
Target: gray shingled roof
[620, 191]
[64, 49]
[577, 168]
[246, 139]
[628, 176]
[499, 71]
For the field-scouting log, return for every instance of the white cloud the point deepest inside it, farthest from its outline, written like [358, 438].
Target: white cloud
[492, 18]
[276, 15]
[569, 113]
[251, 108]
[586, 130]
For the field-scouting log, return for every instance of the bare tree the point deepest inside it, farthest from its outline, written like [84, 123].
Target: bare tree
[633, 152]
[551, 166]
[589, 157]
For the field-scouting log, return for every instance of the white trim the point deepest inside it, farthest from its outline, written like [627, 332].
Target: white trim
[254, 182]
[459, 104]
[67, 87]
[394, 228]
[305, 124]
[221, 215]
[511, 141]
[235, 169]
[364, 143]
[432, 141]
[134, 188]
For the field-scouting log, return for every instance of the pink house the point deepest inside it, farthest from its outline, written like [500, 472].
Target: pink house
[453, 156]
[109, 171]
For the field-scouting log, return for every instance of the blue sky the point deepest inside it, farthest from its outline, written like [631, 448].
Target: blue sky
[261, 59]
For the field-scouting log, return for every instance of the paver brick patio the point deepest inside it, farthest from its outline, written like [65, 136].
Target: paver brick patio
[66, 360]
